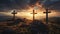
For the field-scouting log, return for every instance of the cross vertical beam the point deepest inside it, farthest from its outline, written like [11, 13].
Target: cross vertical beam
[47, 16]
[33, 15]
[13, 16]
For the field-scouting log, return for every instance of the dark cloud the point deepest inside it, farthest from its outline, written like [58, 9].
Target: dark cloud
[32, 2]
[22, 4]
[13, 4]
[52, 5]
[16, 4]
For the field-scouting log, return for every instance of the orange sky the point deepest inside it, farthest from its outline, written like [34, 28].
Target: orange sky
[27, 13]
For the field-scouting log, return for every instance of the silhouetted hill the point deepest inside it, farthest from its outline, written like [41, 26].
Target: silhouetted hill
[15, 22]
[38, 26]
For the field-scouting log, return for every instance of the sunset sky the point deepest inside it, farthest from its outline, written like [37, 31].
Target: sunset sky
[24, 8]
[30, 17]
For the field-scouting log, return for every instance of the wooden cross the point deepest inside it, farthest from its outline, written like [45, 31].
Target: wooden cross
[14, 12]
[47, 15]
[33, 15]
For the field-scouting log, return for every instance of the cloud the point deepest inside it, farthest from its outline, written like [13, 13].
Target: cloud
[52, 5]
[15, 4]
[24, 4]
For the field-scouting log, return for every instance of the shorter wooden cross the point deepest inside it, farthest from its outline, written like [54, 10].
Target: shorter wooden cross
[14, 12]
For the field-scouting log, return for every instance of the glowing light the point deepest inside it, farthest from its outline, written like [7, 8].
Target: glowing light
[38, 16]
[27, 13]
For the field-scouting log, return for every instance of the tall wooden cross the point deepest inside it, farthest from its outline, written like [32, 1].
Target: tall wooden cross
[47, 15]
[33, 15]
[47, 20]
